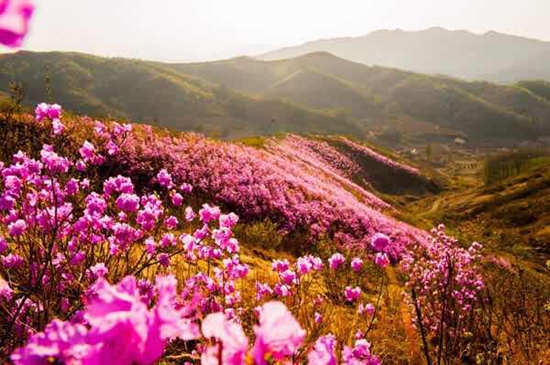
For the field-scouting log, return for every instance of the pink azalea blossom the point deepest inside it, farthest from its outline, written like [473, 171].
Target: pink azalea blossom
[15, 16]
[324, 352]
[5, 291]
[232, 337]
[381, 259]
[278, 334]
[352, 294]
[380, 242]
[17, 228]
[336, 260]
[356, 264]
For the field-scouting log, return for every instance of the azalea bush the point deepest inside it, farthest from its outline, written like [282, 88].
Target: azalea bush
[444, 282]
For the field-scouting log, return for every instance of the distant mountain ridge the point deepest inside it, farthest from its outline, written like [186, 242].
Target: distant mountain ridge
[456, 53]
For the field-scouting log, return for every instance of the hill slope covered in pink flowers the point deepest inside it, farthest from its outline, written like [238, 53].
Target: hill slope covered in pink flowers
[310, 188]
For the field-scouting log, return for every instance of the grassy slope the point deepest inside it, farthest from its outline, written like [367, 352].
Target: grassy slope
[317, 93]
[510, 216]
[482, 110]
[148, 92]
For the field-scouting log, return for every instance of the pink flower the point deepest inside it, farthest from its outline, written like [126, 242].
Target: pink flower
[176, 198]
[87, 151]
[186, 188]
[318, 318]
[81, 166]
[54, 111]
[41, 111]
[231, 335]
[164, 179]
[356, 264]
[336, 260]
[189, 214]
[3, 244]
[352, 294]
[17, 228]
[304, 265]
[280, 265]
[171, 222]
[208, 213]
[360, 354]
[61, 342]
[381, 259]
[14, 21]
[380, 242]
[228, 220]
[128, 203]
[288, 277]
[58, 127]
[112, 148]
[99, 270]
[12, 261]
[323, 352]
[369, 309]
[278, 334]
[5, 291]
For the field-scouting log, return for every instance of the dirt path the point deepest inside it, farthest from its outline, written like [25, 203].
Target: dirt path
[435, 206]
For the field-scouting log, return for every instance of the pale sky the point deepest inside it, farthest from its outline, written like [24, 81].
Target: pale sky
[200, 29]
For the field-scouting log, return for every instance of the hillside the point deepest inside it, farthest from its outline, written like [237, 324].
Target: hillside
[433, 51]
[135, 228]
[510, 215]
[382, 97]
[143, 91]
[316, 93]
[307, 188]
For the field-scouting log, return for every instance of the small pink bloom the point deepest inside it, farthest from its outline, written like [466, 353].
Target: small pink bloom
[336, 260]
[356, 264]
[381, 259]
[17, 228]
[352, 294]
[380, 242]
[324, 352]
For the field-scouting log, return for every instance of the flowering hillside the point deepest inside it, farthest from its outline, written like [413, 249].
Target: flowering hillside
[118, 247]
[297, 183]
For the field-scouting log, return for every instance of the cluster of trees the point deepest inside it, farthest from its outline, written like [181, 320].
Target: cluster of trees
[509, 164]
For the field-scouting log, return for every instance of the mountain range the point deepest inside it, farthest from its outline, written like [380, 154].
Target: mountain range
[315, 93]
[491, 56]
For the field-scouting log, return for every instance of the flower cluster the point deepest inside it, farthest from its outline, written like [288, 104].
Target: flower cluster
[445, 281]
[52, 112]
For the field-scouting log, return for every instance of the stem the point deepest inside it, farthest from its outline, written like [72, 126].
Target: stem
[421, 327]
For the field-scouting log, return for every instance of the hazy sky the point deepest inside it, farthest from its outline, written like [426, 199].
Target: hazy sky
[198, 29]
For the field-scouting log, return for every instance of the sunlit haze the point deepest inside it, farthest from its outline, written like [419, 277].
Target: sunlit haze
[207, 29]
